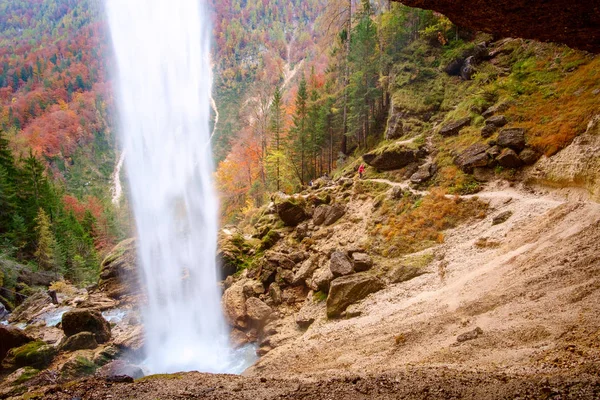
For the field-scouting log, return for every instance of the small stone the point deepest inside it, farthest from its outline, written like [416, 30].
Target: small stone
[474, 334]
[502, 217]
[362, 262]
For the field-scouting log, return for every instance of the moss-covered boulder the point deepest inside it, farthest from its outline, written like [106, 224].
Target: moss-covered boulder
[291, 209]
[78, 367]
[11, 337]
[36, 354]
[79, 341]
[85, 320]
[394, 156]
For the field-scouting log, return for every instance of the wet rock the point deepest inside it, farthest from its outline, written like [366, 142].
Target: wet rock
[474, 156]
[509, 159]
[513, 138]
[31, 308]
[502, 217]
[76, 321]
[11, 337]
[106, 355]
[474, 334]
[291, 209]
[305, 271]
[131, 340]
[79, 341]
[529, 156]
[403, 273]
[118, 271]
[120, 368]
[393, 157]
[362, 262]
[79, 366]
[234, 305]
[454, 128]
[423, 174]
[257, 310]
[340, 264]
[238, 338]
[350, 289]
[36, 354]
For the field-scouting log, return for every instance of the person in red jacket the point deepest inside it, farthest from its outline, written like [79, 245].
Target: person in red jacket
[361, 170]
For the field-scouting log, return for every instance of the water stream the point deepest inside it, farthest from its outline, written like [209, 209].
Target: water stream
[164, 86]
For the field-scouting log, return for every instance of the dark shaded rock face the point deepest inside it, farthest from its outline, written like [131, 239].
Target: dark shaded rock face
[452, 129]
[118, 273]
[473, 156]
[389, 160]
[11, 337]
[77, 321]
[509, 159]
[574, 23]
[290, 210]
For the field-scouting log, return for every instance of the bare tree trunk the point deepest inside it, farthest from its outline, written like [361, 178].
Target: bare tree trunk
[344, 146]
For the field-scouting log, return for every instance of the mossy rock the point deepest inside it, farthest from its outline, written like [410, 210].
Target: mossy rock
[36, 354]
[270, 239]
[78, 367]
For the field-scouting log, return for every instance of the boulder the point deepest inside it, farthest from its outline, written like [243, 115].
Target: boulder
[290, 209]
[31, 308]
[529, 156]
[424, 173]
[340, 264]
[106, 355]
[257, 310]
[497, 121]
[497, 108]
[131, 340]
[78, 366]
[513, 138]
[494, 151]
[11, 337]
[403, 273]
[305, 271]
[253, 288]
[473, 156]
[280, 260]
[234, 305]
[335, 213]
[118, 271]
[394, 128]
[509, 159]
[79, 341]
[393, 157]
[3, 312]
[321, 279]
[488, 131]
[285, 276]
[120, 368]
[453, 128]
[86, 320]
[350, 289]
[362, 262]
[35, 354]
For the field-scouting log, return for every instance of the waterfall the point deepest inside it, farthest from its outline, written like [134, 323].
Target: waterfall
[163, 82]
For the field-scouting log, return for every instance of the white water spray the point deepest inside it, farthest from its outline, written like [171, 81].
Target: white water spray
[164, 81]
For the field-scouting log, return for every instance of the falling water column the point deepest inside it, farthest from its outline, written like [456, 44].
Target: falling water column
[164, 83]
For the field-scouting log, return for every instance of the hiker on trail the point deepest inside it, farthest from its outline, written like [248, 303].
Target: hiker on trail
[361, 170]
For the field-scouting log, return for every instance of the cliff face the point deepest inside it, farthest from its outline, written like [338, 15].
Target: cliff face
[574, 23]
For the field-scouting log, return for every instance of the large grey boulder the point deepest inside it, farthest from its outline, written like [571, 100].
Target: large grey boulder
[513, 138]
[393, 157]
[350, 289]
[340, 264]
[257, 310]
[327, 215]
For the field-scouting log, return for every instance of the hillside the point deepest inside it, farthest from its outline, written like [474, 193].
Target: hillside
[462, 263]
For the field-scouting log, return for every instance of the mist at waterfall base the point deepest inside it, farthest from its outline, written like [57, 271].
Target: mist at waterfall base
[163, 78]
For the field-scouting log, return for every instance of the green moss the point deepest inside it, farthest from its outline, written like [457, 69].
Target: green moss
[159, 377]
[319, 296]
[34, 354]
[27, 375]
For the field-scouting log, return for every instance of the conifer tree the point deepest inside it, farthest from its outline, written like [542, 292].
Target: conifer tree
[276, 127]
[300, 132]
[46, 245]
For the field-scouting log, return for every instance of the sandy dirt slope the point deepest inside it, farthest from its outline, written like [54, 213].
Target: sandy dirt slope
[530, 284]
